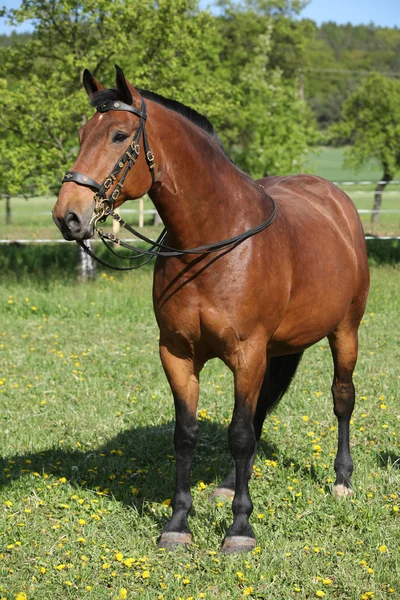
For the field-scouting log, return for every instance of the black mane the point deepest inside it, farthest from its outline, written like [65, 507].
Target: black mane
[192, 115]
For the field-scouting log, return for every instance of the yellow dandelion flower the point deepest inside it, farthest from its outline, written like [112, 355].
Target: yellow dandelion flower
[119, 556]
[21, 596]
[327, 581]
[305, 418]
[60, 567]
[106, 565]
[247, 591]
[382, 549]
[167, 502]
[260, 516]
[123, 593]
[145, 574]
[320, 593]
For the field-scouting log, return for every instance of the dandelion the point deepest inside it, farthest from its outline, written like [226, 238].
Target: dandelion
[21, 596]
[327, 581]
[305, 418]
[320, 593]
[145, 575]
[123, 593]
[260, 516]
[247, 591]
[382, 549]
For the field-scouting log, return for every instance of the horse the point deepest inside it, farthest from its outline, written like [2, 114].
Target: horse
[256, 303]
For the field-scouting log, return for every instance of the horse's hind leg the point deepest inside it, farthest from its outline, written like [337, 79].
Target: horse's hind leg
[183, 377]
[277, 378]
[344, 346]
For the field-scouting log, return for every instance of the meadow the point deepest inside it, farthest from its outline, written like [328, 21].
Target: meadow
[31, 217]
[87, 458]
[88, 463]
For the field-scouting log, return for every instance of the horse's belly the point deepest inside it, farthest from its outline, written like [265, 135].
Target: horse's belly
[302, 328]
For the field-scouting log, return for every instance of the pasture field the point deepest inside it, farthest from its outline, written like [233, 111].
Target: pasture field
[87, 463]
[31, 218]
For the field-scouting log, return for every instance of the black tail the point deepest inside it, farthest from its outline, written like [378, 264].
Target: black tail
[280, 372]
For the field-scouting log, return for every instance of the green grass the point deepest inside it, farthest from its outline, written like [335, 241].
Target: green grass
[328, 162]
[87, 469]
[31, 219]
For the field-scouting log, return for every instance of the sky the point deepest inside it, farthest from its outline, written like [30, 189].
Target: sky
[385, 13]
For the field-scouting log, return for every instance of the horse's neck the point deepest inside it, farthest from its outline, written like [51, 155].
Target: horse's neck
[201, 196]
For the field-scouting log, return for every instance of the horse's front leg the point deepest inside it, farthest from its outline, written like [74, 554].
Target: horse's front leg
[183, 377]
[249, 366]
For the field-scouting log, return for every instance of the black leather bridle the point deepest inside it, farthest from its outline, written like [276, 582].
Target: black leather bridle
[127, 160]
[104, 204]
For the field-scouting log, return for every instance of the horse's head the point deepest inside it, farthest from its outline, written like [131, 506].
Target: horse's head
[111, 142]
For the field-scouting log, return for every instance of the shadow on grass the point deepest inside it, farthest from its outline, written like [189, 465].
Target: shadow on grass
[46, 261]
[388, 459]
[383, 252]
[141, 458]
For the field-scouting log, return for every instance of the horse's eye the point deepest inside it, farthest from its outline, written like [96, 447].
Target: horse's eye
[119, 136]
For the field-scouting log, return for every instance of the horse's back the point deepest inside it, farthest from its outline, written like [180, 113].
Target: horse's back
[309, 195]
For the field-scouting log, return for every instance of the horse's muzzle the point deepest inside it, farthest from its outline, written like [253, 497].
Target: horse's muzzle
[73, 227]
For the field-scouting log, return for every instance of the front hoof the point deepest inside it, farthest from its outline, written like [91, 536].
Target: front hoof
[238, 543]
[342, 491]
[172, 539]
[222, 493]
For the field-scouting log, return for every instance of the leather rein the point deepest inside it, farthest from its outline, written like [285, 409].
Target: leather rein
[104, 204]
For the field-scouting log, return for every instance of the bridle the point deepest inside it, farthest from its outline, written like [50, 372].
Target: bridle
[104, 204]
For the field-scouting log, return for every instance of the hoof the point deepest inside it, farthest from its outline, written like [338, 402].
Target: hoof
[238, 543]
[172, 539]
[342, 491]
[223, 493]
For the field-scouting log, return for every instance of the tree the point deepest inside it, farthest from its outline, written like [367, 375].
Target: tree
[371, 121]
[168, 46]
[270, 128]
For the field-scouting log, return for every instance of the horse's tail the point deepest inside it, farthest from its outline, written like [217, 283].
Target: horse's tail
[280, 372]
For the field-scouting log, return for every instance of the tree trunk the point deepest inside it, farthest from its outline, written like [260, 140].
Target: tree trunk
[86, 265]
[378, 198]
[157, 219]
[8, 210]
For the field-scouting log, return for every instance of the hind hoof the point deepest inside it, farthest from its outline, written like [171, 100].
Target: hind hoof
[173, 539]
[238, 543]
[342, 491]
[222, 493]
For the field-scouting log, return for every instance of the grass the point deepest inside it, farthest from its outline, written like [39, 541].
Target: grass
[88, 464]
[31, 219]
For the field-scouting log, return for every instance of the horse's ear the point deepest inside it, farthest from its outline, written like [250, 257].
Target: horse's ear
[123, 86]
[91, 84]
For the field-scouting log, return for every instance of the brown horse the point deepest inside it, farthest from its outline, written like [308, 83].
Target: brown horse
[255, 305]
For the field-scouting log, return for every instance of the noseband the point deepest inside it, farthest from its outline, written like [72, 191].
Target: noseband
[104, 204]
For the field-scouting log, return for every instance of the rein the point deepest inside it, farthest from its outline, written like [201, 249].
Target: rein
[104, 204]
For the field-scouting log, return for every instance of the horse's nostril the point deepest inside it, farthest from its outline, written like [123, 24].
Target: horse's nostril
[73, 222]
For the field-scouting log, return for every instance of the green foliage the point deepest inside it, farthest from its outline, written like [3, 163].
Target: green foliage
[166, 46]
[271, 128]
[371, 120]
[237, 69]
[337, 58]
